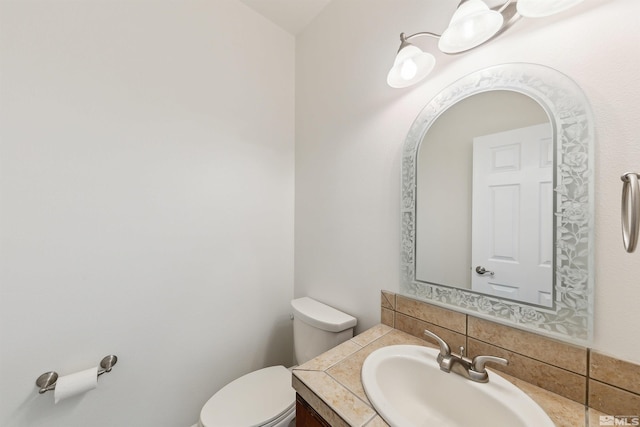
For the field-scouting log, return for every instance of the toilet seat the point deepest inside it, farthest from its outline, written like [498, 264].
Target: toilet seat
[262, 398]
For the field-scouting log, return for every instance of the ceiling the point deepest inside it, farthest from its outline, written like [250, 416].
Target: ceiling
[292, 15]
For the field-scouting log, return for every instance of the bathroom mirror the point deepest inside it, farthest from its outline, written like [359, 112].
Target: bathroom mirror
[497, 201]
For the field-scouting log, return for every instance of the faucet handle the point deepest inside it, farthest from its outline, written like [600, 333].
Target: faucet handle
[445, 351]
[479, 362]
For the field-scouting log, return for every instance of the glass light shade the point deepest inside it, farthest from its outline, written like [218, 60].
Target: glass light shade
[541, 8]
[472, 24]
[411, 66]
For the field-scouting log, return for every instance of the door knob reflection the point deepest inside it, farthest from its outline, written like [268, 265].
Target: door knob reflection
[481, 271]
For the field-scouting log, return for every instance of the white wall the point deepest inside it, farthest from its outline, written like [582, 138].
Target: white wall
[350, 128]
[146, 184]
[146, 204]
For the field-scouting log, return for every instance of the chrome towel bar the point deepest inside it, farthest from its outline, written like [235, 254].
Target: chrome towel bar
[47, 381]
[630, 210]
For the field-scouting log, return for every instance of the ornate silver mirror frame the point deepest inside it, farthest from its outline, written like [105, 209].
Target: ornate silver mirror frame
[571, 316]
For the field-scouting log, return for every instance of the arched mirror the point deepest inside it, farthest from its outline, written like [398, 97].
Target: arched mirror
[497, 201]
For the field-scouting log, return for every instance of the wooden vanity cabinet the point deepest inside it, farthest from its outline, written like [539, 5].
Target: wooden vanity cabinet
[306, 416]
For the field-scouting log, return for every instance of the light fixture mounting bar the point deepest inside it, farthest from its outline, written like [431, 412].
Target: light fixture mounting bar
[404, 37]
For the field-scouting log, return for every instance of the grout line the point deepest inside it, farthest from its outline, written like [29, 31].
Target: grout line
[586, 398]
[466, 332]
[616, 387]
[388, 302]
[327, 406]
[429, 323]
[586, 415]
[532, 358]
[368, 404]
[370, 419]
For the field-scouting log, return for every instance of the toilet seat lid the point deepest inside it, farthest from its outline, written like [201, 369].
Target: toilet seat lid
[251, 400]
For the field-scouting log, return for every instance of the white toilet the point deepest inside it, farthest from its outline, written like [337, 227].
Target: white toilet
[265, 397]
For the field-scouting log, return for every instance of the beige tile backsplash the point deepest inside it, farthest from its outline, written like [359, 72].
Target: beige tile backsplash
[610, 370]
[585, 376]
[433, 314]
[556, 353]
[552, 378]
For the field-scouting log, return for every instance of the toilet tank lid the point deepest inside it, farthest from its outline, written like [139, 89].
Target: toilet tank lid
[321, 316]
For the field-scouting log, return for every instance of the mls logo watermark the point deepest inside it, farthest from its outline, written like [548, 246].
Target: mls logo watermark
[620, 420]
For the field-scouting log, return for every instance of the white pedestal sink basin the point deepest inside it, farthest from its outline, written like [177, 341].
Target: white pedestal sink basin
[406, 386]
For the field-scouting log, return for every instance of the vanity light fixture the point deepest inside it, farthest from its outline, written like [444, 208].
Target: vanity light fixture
[411, 64]
[472, 24]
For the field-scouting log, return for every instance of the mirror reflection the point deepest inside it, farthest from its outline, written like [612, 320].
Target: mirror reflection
[469, 224]
[484, 195]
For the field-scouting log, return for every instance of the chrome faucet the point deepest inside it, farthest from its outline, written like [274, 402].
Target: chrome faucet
[461, 365]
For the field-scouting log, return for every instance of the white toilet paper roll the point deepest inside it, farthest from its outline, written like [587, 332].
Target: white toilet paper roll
[74, 384]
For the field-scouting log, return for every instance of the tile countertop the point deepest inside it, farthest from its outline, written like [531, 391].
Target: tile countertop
[331, 384]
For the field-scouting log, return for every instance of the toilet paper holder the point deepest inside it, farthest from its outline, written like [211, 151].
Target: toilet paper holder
[47, 381]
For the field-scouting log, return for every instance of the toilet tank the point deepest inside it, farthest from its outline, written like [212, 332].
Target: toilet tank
[318, 328]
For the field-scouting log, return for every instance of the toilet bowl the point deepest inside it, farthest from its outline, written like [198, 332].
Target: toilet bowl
[265, 398]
